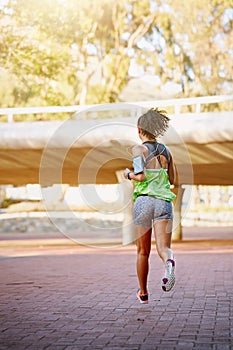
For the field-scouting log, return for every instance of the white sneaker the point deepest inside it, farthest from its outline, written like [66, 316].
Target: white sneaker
[169, 279]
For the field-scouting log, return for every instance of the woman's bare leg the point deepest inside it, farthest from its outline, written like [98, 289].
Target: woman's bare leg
[163, 234]
[143, 242]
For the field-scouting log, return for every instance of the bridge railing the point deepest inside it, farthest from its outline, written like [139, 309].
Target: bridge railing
[176, 103]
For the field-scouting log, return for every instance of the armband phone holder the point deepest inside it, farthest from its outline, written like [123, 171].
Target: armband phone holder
[138, 164]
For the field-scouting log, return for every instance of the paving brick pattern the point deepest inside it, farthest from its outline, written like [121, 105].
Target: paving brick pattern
[80, 298]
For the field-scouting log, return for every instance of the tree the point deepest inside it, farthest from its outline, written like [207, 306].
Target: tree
[197, 53]
[32, 60]
[66, 52]
[104, 35]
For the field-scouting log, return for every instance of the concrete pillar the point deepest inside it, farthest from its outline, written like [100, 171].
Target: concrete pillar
[126, 187]
[177, 227]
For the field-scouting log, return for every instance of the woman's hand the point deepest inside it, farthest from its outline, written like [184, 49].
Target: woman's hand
[126, 171]
[139, 177]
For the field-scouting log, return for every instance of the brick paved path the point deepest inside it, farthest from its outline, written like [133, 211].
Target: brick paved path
[72, 297]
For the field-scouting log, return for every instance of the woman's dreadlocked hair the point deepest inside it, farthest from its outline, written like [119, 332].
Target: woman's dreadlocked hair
[153, 123]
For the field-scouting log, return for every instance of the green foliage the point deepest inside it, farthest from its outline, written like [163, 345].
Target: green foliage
[74, 52]
[7, 202]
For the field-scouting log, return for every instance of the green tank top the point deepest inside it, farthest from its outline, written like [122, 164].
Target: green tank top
[155, 184]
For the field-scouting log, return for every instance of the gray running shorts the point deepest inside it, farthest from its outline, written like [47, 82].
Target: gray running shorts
[148, 209]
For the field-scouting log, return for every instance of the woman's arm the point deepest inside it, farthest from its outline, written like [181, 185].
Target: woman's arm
[138, 150]
[171, 169]
[132, 176]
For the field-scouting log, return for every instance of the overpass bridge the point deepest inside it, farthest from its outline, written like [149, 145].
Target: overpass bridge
[83, 150]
